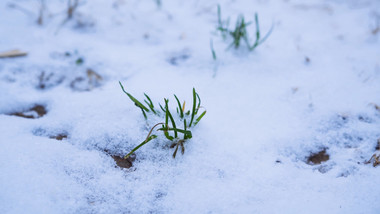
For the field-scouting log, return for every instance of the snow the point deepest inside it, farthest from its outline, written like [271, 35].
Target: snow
[267, 110]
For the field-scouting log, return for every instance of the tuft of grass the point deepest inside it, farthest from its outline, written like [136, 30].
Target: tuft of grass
[172, 127]
[239, 33]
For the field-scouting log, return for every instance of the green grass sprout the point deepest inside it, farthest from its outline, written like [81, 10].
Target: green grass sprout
[239, 33]
[170, 126]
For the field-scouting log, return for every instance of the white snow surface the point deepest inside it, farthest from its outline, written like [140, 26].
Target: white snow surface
[312, 85]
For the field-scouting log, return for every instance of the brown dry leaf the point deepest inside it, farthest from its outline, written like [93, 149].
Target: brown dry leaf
[92, 74]
[375, 160]
[12, 53]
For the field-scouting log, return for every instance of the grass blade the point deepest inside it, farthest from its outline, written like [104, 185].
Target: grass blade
[199, 118]
[185, 129]
[266, 35]
[140, 145]
[186, 132]
[257, 33]
[150, 103]
[212, 50]
[144, 114]
[179, 106]
[166, 114]
[199, 103]
[137, 103]
[165, 129]
[169, 115]
[173, 123]
[219, 16]
[194, 105]
[162, 108]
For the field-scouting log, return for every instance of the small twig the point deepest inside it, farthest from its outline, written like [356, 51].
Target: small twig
[12, 53]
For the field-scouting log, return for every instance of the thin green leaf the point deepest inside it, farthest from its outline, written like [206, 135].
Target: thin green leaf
[212, 50]
[194, 105]
[173, 123]
[144, 114]
[166, 114]
[137, 103]
[187, 132]
[179, 106]
[150, 103]
[199, 103]
[199, 118]
[169, 115]
[257, 33]
[140, 145]
[185, 129]
[266, 35]
[165, 129]
[148, 138]
[167, 135]
[219, 16]
[257, 27]
[258, 40]
[162, 108]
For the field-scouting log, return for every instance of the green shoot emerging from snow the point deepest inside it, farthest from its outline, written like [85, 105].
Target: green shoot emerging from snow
[239, 34]
[177, 133]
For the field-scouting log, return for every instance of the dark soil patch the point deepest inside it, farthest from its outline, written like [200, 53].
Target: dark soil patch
[318, 158]
[124, 163]
[36, 112]
[121, 161]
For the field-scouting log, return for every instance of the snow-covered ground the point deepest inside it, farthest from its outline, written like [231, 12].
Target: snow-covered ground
[312, 86]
